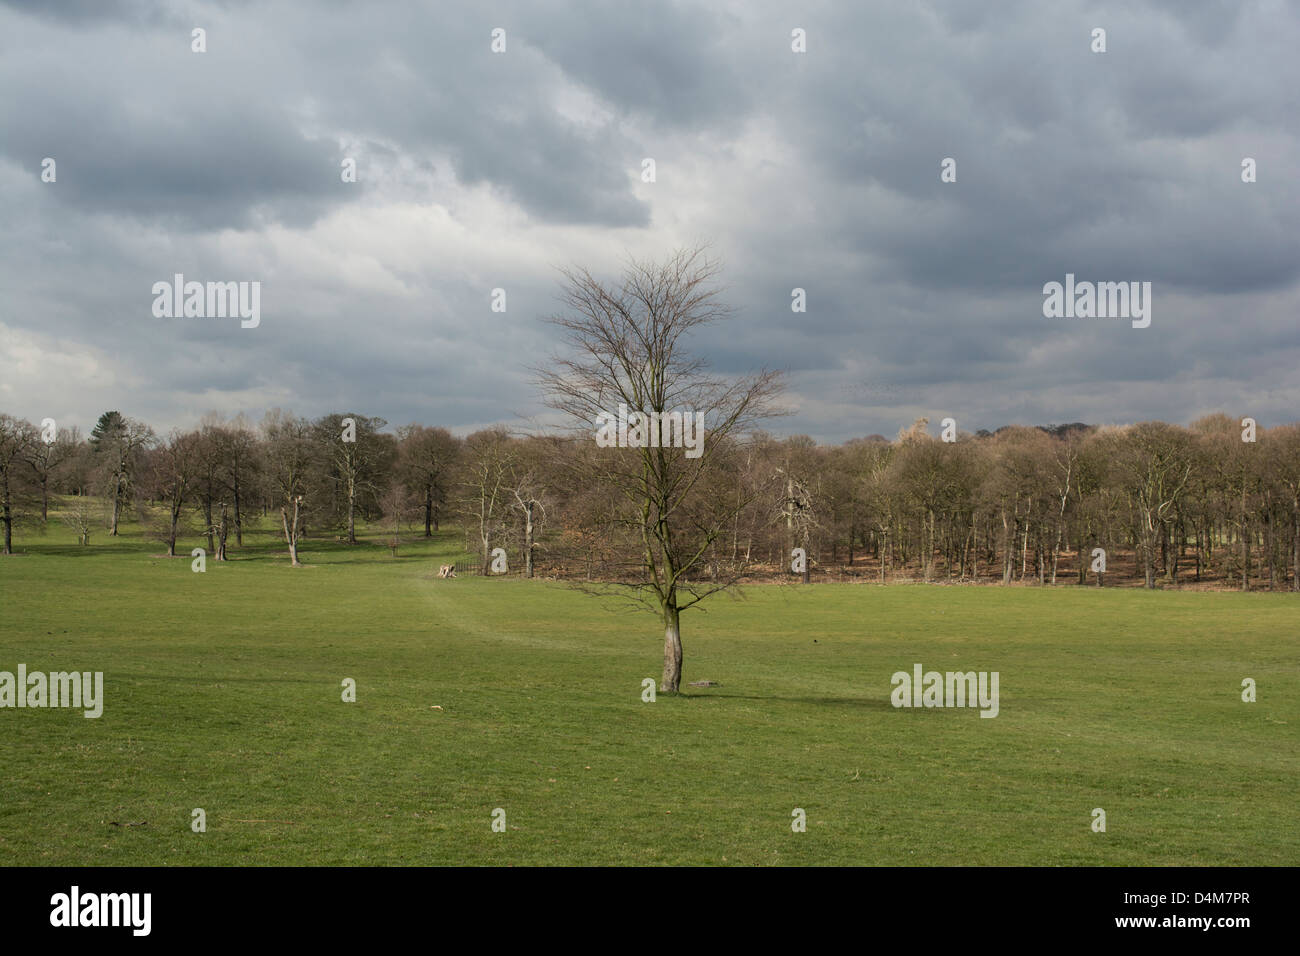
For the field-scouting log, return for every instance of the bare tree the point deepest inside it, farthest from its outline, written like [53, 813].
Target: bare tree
[626, 348]
[489, 464]
[796, 503]
[242, 465]
[1284, 458]
[119, 443]
[172, 470]
[48, 460]
[526, 488]
[79, 518]
[17, 438]
[359, 458]
[426, 458]
[1154, 463]
[291, 455]
[398, 505]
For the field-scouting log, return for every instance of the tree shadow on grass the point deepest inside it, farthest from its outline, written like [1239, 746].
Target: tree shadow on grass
[84, 551]
[870, 703]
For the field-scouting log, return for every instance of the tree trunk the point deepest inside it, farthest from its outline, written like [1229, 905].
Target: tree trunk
[117, 504]
[171, 535]
[1271, 547]
[428, 511]
[352, 511]
[207, 520]
[1295, 544]
[8, 522]
[528, 540]
[1245, 544]
[1149, 560]
[1008, 537]
[1024, 550]
[222, 533]
[239, 519]
[291, 534]
[672, 649]
[929, 548]
[1198, 553]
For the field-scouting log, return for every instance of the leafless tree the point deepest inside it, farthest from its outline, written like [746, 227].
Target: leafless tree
[17, 438]
[358, 458]
[172, 470]
[626, 342]
[489, 458]
[119, 444]
[426, 459]
[48, 460]
[291, 454]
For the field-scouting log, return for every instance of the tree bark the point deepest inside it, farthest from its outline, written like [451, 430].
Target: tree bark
[117, 497]
[352, 510]
[672, 650]
[207, 520]
[222, 533]
[239, 519]
[291, 534]
[8, 522]
[1295, 543]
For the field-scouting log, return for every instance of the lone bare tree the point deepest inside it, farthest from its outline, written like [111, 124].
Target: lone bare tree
[626, 348]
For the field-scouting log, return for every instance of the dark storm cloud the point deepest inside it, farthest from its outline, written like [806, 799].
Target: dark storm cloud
[818, 171]
[219, 139]
[88, 12]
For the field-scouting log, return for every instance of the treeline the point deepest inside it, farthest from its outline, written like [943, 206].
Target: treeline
[1153, 503]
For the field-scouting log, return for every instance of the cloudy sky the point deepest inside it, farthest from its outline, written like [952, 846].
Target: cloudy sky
[819, 170]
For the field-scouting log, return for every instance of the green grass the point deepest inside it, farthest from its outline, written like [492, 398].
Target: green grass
[223, 692]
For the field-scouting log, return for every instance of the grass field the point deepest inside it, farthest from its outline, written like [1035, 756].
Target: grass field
[223, 692]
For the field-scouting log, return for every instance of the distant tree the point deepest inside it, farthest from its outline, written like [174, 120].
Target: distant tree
[17, 438]
[291, 457]
[358, 469]
[109, 426]
[48, 459]
[243, 464]
[1283, 446]
[488, 468]
[119, 443]
[78, 517]
[795, 469]
[1154, 463]
[398, 505]
[172, 470]
[426, 459]
[528, 487]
